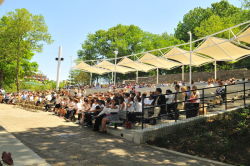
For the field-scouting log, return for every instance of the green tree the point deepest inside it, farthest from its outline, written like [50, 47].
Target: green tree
[196, 20]
[23, 34]
[191, 20]
[102, 44]
[246, 3]
[127, 39]
[78, 77]
[214, 24]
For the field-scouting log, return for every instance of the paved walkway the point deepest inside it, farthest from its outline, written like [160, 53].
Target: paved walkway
[22, 155]
[63, 143]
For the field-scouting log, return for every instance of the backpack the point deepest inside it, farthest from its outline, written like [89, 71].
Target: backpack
[7, 159]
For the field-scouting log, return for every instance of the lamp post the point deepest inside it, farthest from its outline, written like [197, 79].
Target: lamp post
[190, 58]
[58, 59]
[116, 53]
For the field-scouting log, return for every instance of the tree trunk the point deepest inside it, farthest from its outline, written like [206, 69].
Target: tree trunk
[17, 75]
[1, 78]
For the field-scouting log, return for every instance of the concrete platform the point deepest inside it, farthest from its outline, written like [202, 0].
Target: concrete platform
[140, 136]
[21, 154]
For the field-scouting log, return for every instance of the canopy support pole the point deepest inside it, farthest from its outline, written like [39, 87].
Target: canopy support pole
[182, 77]
[137, 73]
[157, 77]
[190, 59]
[116, 53]
[215, 70]
[90, 81]
[112, 78]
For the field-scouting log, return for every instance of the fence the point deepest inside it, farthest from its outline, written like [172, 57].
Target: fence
[231, 96]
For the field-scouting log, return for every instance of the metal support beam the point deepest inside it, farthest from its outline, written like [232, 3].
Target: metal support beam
[190, 58]
[116, 53]
[157, 79]
[215, 70]
[112, 79]
[183, 72]
[90, 81]
[137, 73]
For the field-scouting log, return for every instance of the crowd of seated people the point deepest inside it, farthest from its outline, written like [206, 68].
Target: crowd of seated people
[100, 108]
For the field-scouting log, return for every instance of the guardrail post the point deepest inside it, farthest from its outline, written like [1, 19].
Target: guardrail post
[225, 97]
[244, 97]
[142, 118]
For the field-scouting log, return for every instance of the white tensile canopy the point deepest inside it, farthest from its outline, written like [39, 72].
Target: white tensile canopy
[138, 66]
[183, 57]
[244, 36]
[158, 62]
[90, 69]
[114, 68]
[135, 65]
[221, 50]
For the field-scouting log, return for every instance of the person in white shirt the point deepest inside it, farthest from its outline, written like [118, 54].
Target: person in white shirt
[113, 108]
[48, 97]
[130, 105]
[169, 97]
[209, 84]
[79, 109]
[194, 100]
[58, 104]
[148, 101]
[95, 109]
[71, 110]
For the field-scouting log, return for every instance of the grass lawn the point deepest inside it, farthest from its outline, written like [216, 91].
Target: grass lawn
[226, 139]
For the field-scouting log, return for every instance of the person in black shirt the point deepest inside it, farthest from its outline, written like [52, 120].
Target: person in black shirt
[159, 102]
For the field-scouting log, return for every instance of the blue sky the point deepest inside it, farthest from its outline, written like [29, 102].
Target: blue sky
[69, 22]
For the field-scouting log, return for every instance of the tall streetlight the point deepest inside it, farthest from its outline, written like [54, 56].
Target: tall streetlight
[59, 59]
[190, 58]
[116, 53]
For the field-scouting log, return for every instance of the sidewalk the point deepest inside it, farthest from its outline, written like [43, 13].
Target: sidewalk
[21, 154]
[63, 143]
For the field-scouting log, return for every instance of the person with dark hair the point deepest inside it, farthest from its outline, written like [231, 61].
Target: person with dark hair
[72, 107]
[108, 110]
[97, 107]
[169, 96]
[220, 91]
[159, 103]
[170, 103]
[193, 105]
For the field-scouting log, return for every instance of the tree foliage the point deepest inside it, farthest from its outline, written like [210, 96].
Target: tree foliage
[202, 22]
[130, 39]
[246, 3]
[21, 34]
[78, 77]
[127, 39]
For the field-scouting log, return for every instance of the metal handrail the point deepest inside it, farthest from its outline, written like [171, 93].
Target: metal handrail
[202, 98]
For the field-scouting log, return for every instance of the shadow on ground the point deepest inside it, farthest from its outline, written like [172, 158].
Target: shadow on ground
[76, 146]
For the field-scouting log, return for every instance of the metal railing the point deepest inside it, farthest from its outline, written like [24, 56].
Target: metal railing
[208, 100]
